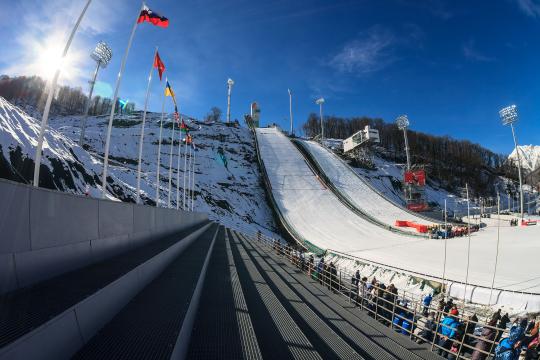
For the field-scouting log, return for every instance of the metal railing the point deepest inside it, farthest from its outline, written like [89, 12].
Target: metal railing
[403, 312]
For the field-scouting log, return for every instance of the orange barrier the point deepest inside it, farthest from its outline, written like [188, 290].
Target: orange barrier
[528, 222]
[419, 227]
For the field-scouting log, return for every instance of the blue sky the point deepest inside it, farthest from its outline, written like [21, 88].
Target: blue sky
[449, 65]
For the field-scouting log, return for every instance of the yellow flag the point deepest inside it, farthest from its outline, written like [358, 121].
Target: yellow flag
[168, 90]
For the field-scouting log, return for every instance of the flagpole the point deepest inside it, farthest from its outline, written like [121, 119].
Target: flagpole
[115, 96]
[185, 168]
[159, 147]
[445, 246]
[178, 172]
[170, 165]
[497, 251]
[193, 175]
[469, 244]
[189, 179]
[141, 137]
[52, 90]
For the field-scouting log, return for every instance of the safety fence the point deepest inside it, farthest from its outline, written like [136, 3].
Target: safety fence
[455, 333]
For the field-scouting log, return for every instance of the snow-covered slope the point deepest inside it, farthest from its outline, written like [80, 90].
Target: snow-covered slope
[65, 165]
[358, 191]
[231, 194]
[530, 156]
[319, 217]
[387, 176]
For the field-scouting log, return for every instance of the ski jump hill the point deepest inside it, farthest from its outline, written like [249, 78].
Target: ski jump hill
[357, 224]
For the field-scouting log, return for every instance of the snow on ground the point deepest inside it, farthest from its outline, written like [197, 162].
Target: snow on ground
[319, 217]
[72, 168]
[358, 191]
[231, 194]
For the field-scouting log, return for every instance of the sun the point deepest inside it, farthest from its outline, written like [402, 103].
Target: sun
[47, 59]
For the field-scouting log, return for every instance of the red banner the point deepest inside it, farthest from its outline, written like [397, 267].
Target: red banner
[417, 177]
[417, 207]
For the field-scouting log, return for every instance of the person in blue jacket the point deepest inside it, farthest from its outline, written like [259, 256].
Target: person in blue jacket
[427, 302]
[407, 323]
[509, 348]
[447, 329]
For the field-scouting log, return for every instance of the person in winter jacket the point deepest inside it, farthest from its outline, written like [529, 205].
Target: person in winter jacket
[320, 269]
[427, 302]
[407, 323]
[503, 323]
[401, 311]
[509, 348]
[426, 334]
[469, 330]
[448, 329]
[449, 305]
[485, 344]
[532, 348]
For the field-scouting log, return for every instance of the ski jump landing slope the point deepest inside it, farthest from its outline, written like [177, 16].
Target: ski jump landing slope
[357, 191]
[318, 216]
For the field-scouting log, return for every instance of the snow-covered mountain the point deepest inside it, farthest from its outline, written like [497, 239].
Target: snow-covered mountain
[530, 156]
[65, 165]
[231, 193]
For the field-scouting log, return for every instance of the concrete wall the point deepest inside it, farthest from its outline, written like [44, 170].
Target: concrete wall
[45, 233]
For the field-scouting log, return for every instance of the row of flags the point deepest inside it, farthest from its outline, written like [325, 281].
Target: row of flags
[147, 15]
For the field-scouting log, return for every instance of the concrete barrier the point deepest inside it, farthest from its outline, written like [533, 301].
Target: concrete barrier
[44, 233]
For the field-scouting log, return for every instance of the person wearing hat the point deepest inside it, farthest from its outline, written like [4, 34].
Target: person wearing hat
[448, 330]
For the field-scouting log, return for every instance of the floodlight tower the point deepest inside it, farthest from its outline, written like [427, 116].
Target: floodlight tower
[509, 116]
[320, 102]
[102, 54]
[290, 110]
[230, 84]
[402, 123]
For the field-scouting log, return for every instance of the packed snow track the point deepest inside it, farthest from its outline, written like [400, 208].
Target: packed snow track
[318, 216]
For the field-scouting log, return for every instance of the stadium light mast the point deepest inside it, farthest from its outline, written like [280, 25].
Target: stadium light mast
[290, 110]
[230, 84]
[509, 116]
[402, 123]
[52, 90]
[320, 102]
[102, 54]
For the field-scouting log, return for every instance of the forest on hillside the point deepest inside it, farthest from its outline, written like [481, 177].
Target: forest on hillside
[452, 162]
[31, 90]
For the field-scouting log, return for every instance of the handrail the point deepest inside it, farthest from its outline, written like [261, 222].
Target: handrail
[424, 275]
[345, 199]
[374, 299]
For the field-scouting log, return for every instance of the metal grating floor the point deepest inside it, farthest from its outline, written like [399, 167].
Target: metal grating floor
[26, 309]
[148, 326]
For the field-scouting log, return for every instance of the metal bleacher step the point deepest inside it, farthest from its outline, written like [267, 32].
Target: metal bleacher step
[156, 323]
[330, 342]
[223, 327]
[377, 340]
[28, 310]
[278, 335]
